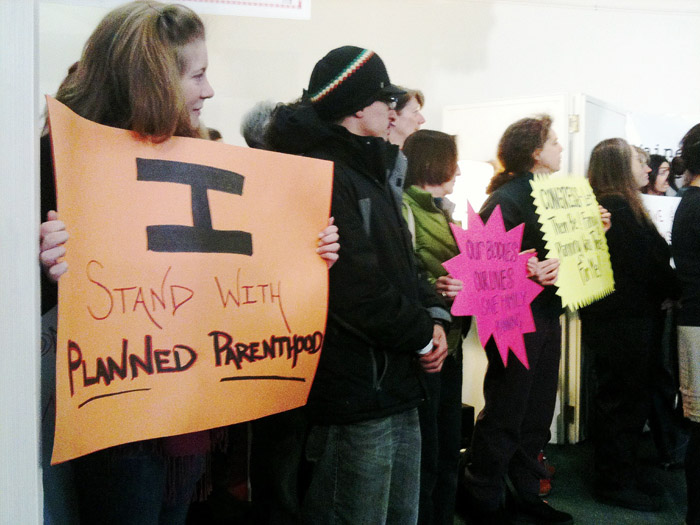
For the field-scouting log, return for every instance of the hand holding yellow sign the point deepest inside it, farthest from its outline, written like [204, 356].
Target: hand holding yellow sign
[573, 231]
[195, 296]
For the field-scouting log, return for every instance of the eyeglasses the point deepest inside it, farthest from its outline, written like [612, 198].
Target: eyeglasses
[390, 101]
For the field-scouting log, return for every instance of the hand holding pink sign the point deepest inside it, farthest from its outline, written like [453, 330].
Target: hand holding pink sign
[496, 288]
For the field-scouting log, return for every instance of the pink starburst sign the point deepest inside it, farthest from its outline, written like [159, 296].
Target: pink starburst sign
[497, 291]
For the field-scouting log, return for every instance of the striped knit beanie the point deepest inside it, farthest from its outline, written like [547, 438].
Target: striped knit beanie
[346, 80]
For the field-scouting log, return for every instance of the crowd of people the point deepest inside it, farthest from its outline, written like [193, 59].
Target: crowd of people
[379, 439]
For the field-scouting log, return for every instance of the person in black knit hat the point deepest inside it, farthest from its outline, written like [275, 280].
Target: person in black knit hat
[384, 322]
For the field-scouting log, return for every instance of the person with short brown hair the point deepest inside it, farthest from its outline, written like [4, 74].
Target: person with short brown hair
[430, 178]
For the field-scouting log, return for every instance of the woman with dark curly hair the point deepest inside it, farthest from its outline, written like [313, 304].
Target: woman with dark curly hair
[513, 427]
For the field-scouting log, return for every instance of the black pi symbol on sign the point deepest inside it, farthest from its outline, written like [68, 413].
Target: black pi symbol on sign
[200, 237]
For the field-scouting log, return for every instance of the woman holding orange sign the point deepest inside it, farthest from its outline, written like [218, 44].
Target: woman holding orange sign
[144, 69]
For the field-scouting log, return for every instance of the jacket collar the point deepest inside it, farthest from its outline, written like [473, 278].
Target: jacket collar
[426, 201]
[371, 155]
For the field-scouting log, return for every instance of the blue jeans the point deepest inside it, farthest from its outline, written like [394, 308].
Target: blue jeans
[365, 473]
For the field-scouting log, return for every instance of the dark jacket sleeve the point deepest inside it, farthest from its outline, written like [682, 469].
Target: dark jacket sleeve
[363, 298]
[664, 283]
[431, 300]
[49, 289]
[640, 260]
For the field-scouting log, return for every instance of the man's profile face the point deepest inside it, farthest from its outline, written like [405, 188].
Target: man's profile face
[376, 119]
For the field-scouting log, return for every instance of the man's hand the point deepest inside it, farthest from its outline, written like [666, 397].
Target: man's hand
[432, 361]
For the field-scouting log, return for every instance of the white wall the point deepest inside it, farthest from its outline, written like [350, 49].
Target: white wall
[20, 487]
[640, 56]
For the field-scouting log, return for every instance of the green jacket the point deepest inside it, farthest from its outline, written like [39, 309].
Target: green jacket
[433, 242]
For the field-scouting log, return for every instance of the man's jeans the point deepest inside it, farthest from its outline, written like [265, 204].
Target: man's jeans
[365, 473]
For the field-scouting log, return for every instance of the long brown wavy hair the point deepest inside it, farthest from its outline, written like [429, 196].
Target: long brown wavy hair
[517, 148]
[610, 173]
[129, 73]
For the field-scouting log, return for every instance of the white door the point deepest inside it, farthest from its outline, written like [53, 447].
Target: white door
[591, 121]
[479, 127]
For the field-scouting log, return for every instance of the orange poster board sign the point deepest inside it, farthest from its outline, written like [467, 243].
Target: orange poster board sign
[195, 298]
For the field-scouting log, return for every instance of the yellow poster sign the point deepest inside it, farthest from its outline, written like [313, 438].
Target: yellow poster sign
[194, 297]
[573, 232]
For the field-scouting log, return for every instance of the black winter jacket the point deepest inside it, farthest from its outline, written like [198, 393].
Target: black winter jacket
[640, 260]
[518, 207]
[379, 309]
[686, 253]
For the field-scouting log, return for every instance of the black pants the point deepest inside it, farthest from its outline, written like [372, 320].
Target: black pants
[514, 425]
[692, 475]
[622, 364]
[441, 428]
[277, 467]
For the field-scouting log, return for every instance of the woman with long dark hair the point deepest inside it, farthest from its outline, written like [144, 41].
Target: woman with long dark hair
[618, 329]
[513, 427]
[659, 181]
[686, 254]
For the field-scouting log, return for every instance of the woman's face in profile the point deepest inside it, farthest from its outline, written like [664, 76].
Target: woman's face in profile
[449, 186]
[195, 85]
[548, 158]
[408, 121]
[640, 170]
[661, 183]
